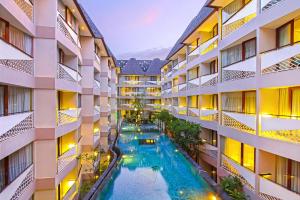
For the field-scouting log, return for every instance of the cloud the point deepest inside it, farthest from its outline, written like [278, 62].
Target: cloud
[148, 54]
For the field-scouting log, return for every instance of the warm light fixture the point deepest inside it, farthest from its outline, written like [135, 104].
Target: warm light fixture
[70, 183]
[71, 146]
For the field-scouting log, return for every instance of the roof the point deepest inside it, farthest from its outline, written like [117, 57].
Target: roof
[204, 13]
[140, 67]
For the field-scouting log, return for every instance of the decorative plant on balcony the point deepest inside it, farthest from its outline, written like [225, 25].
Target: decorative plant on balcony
[234, 188]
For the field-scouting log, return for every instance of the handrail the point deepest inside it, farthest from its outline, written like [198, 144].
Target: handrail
[116, 153]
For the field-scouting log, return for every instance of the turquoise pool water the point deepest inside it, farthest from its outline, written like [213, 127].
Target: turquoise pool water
[154, 172]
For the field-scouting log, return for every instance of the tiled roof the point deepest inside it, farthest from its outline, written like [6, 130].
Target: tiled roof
[140, 67]
[195, 23]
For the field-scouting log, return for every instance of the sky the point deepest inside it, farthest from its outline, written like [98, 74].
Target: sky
[132, 26]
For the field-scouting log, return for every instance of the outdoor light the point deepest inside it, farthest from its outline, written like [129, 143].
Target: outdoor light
[71, 146]
[70, 183]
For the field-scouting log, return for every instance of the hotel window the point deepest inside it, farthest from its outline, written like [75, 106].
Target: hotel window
[193, 73]
[14, 165]
[214, 31]
[213, 67]
[297, 30]
[71, 20]
[240, 102]
[19, 100]
[193, 101]
[232, 8]
[3, 29]
[239, 53]
[213, 138]
[61, 56]
[284, 35]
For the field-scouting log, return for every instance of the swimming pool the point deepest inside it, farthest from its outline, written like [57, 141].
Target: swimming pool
[154, 171]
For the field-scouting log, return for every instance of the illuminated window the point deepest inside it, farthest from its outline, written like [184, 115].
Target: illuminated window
[248, 157]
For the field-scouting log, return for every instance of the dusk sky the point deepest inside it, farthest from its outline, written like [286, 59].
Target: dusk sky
[139, 25]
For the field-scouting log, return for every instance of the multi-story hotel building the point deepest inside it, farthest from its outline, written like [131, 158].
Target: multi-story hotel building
[235, 71]
[139, 84]
[57, 81]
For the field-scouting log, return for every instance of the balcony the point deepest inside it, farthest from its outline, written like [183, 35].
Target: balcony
[16, 124]
[20, 188]
[15, 59]
[182, 87]
[238, 17]
[179, 66]
[67, 116]
[204, 48]
[26, 6]
[209, 114]
[132, 82]
[153, 82]
[169, 74]
[241, 70]
[194, 83]
[96, 110]
[67, 31]
[271, 190]
[267, 4]
[97, 85]
[72, 189]
[209, 150]
[279, 60]
[153, 94]
[279, 128]
[96, 138]
[239, 121]
[175, 89]
[194, 112]
[209, 80]
[66, 159]
[246, 176]
[182, 110]
[68, 74]
[98, 61]
[153, 107]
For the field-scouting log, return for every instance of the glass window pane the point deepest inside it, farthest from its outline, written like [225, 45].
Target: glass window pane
[233, 149]
[284, 35]
[297, 30]
[250, 48]
[249, 158]
[2, 29]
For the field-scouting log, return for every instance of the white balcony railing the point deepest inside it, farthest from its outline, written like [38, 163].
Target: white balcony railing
[209, 80]
[205, 47]
[26, 6]
[67, 30]
[66, 158]
[240, 121]
[246, 176]
[240, 70]
[153, 82]
[68, 74]
[175, 89]
[68, 195]
[182, 87]
[240, 18]
[194, 112]
[283, 129]
[209, 114]
[98, 60]
[194, 83]
[12, 125]
[68, 116]
[269, 190]
[15, 59]
[182, 110]
[283, 59]
[97, 84]
[267, 4]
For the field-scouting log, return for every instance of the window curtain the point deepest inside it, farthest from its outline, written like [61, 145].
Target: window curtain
[2, 29]
[250, 102]
[231, 9]
[233, 149]
[284, 102]
[232, 102]
[249, 158]
[281, 171]
[20, 40]
[193, 74]
[1, 100]
[295, 181]
[297, 30]
[232, 55]
[61, 9]
[296, 102]
[284, 35]
[19, 161]
[19, 100]
[250, 48]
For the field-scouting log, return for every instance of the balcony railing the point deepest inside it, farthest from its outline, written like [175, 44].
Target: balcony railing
[68, 74]
[194, 112]
[68, 195]
[209, 80]
[153, 82]
[283, 59]
[246, 176]
[179, 66]
[267, 4]
[182, 87]
[194, 83]
[284, 129]
[209, 114]
[67, 116]
[13, 125]
[209, 150]
[67, 30]
[241, 70]
[204, 48]
[241, 17]
[182, 110]
[175, 89]
[15, 59]
[26, 6]
[66, 158]
[269, 190]
[240, 121]
[97, 84]
[19, 186]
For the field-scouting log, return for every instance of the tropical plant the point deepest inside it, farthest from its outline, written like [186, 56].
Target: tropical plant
[234, 188]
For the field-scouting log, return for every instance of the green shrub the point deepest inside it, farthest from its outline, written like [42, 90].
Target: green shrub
[233, 187]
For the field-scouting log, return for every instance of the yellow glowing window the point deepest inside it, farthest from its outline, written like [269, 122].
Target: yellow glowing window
[232, 149]
[297, 30]
[248, 157]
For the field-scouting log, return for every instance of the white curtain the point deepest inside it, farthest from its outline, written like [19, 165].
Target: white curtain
[295, 181]
[19, 161]
[281, 171]
[232, 102]
[1, 101]
[2, 29]
[284, 35]
[250, 48]
[231, 55]
[20, 40]
[19, 100]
